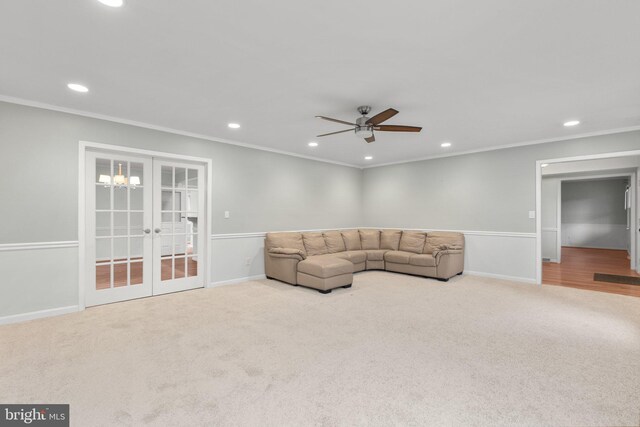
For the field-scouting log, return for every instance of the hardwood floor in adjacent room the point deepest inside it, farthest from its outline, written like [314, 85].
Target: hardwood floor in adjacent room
[580, 264]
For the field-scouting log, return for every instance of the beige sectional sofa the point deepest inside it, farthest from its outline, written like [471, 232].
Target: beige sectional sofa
[327, 260]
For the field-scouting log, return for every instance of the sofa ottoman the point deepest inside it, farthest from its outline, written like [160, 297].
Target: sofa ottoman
[325, 273]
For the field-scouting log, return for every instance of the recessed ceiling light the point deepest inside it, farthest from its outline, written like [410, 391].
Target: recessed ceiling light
[112, 3]
[234, 125]
[78, 87]
[571, 123]
[313, 144]
[544, 165]
[445, 144]
[368, 157]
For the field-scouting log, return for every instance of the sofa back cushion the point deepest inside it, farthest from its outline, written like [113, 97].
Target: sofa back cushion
[351, 240]
[334, 241]
[412, 241]
[370, 239]
[314, 244]
[390, 239]
[437, 238]
[284, 240]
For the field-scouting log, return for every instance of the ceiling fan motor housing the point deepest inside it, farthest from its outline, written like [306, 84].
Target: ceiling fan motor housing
[363, 129]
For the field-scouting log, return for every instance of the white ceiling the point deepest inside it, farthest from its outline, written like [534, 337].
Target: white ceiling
[477, 73]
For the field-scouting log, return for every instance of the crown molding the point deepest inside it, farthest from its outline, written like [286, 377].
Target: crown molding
[514, 145]
[44, 106]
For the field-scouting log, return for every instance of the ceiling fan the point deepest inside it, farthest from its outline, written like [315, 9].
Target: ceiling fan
[364, 126]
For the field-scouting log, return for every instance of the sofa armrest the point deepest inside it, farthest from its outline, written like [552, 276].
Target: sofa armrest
[439, 254]
[445, 249]
[449, 261]
[287, 253]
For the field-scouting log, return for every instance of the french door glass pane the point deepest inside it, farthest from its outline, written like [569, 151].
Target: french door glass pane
[120, 198]
[120, 224]
[192, 266]
[103, 276]
[167, 200]
[137, 198]
[103, 170]
[136, 273]
[120, 275]
[136, 247]
[181, 177]
[120, 168]
[137, 175]
[120, 249]
[103, 250]
[103, 224]
[167, 176]
[103, 197]
[193, 178]
[136, 223]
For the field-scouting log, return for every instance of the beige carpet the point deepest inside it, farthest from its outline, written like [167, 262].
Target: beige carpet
[392, 350]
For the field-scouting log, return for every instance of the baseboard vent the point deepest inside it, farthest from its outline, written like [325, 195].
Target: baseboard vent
[546, 259]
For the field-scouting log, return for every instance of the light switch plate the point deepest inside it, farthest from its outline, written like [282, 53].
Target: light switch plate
[532, 214]
[226, 214]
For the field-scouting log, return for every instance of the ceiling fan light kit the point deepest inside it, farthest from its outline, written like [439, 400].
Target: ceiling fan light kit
[365, 126]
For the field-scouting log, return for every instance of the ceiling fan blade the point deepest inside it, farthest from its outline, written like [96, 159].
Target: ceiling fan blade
[335, 120]
[397, 128]
[333, 133]
[370, 139]
[381, 117]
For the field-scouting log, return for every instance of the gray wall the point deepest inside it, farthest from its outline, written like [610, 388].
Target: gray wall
[488, 191]
[263, 191]
[593, 214]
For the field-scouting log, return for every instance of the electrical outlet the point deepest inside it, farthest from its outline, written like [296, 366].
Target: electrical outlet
[247, 261]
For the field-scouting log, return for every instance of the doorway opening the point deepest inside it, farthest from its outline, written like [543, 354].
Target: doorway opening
[587, 223]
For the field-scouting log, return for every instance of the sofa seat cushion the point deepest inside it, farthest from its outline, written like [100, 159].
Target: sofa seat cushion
[376, 255]
[355, 257]
[423, 260]
[325, 266]
[398, 257]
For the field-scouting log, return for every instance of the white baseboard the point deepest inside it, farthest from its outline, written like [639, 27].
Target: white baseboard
[38, 314]
[237, 280]
[501, 276]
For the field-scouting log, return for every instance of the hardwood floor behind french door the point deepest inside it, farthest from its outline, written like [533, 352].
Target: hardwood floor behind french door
[145, 227]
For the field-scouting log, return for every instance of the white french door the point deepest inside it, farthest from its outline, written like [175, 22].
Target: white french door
[145, 227]
[178, 226]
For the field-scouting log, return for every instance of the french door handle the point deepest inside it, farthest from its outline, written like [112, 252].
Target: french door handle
[157, 230]
[147, 230]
